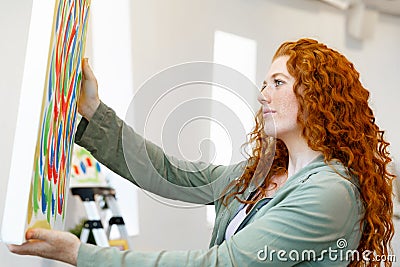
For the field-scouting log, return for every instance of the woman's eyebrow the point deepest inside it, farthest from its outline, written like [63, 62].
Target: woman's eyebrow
[278, 74]
[275, 75]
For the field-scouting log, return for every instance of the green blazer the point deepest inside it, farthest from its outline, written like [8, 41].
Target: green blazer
[312, 220]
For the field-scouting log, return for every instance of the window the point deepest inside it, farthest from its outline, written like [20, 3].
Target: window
[239, 53]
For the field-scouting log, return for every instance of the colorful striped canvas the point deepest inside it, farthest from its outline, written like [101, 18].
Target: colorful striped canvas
[47, 118]
[53, 153]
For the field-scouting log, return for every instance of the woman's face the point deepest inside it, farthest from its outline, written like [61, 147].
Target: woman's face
[279, 103]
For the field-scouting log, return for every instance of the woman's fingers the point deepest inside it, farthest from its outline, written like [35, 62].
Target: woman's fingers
[31, 247]
[89, 98]
[37, 241]
[38, 233]
[61, 246]
[87, 70]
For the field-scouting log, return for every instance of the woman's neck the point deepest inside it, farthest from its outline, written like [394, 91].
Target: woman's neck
[300, 154]
[299, 160]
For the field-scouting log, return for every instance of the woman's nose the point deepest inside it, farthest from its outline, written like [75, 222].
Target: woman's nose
[264, 97]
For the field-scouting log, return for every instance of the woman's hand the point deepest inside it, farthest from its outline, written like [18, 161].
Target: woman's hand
[89, 99]
[50, 244]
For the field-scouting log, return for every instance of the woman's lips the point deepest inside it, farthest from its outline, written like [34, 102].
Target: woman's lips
[268, 111]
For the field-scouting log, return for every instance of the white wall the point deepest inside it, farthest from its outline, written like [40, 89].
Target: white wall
[176, 31]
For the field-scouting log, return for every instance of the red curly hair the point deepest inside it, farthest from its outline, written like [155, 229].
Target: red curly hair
[337, 121]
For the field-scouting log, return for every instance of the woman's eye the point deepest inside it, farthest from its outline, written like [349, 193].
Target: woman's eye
[278, 82]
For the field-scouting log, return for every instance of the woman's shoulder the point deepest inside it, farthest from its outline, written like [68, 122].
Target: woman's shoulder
[334, 173]
[323, 182]
[327, 174]
[332, 183]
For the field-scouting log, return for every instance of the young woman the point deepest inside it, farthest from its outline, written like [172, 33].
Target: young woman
[324, 201]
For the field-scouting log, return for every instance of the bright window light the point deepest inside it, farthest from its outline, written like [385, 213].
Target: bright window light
[239, 53]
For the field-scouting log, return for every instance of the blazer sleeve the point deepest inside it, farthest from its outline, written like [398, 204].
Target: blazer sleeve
[116, 145]
[313, 226]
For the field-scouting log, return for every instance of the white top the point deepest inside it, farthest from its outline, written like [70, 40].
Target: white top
[234, 224]
[239, 218]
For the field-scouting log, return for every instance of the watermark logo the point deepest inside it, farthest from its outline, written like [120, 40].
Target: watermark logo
[341, 243]
[339, 253]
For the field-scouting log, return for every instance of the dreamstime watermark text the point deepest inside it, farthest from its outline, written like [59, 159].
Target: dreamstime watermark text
[340, 253]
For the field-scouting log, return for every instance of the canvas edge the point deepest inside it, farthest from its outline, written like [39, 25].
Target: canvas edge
[28, 119]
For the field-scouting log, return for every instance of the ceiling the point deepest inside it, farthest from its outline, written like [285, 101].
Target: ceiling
[385, 6]
[391, 7]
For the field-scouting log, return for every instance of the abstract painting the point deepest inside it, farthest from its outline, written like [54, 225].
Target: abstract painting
[57, 127]
[51, 161]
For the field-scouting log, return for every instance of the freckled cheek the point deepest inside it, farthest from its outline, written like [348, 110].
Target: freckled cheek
[289, 102]
[289, 109]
